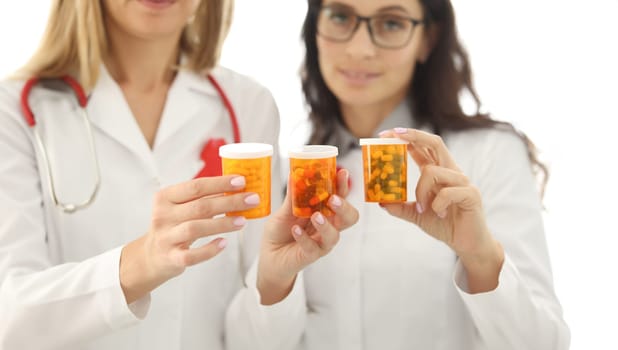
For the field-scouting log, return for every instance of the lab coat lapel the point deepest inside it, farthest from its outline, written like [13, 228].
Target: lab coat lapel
[184, 99]
[110, 113]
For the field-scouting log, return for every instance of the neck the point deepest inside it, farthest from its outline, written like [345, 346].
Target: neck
[145, 65]
[362, 121]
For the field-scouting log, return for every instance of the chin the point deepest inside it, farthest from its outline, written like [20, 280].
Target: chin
[358, 96]
[358, 99]
[155, 29]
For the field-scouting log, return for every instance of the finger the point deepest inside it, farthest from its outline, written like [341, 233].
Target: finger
[309, 247]
[419, 155]
[207, 207]
[407, 211]
[465, 198]
[436, 149]
[190, 231]
[343, 178]
[422, 155]
[345, 214]
[287, 201]
[189, 257]
[433, 178]
[201, 187]
[328, 233]
[285, 210]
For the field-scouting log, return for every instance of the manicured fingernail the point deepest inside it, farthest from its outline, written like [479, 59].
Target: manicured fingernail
[238, 181]
[335, 201]
[297, 231]
[442, 214]
[400, 130]
[381, 133]
[253, 199]
[419, 208]
[319, 219]
[240, 221]
[222, 243]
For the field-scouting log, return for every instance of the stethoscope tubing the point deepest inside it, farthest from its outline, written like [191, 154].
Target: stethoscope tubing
[71, 207]
[83, 102]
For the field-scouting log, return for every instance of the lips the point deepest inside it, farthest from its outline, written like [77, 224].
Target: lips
[358, 77]
[157, 4]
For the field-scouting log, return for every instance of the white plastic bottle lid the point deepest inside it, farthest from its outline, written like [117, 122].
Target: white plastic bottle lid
[314, 152]
[382, 141]
[247, 150]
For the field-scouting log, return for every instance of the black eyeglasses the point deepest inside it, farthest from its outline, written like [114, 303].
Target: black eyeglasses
[390, 31]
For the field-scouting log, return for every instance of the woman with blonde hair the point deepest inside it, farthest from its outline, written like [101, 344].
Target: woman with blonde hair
[77, 182]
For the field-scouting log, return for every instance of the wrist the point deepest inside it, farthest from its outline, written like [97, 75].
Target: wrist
[483, 267]
[272, 287]
[483, 257]
[136, 275]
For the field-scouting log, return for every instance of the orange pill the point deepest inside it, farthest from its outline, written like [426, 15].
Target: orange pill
[253, 161]
[384, 169]
[313, 170]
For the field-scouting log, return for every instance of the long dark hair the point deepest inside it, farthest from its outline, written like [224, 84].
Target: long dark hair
[434, 92]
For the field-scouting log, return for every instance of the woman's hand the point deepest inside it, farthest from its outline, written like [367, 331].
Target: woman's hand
[182, 214]
[290, 243]
[449, 208]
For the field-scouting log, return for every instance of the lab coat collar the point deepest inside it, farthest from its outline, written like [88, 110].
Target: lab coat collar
[400, 117]
[182, 104]
[197, 82]
[110, 112]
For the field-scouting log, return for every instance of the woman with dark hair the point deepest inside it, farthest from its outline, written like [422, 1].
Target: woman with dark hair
[467, 267]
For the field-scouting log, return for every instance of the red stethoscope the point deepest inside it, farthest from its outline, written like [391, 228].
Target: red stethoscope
[209, 154]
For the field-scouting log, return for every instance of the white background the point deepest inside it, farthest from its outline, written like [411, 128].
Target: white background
[548, 66]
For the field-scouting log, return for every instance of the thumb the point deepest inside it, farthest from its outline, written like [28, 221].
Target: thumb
[343, 182]
[407, 211]
[286, 206]
[287, 201]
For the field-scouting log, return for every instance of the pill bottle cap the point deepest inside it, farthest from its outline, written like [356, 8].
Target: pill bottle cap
[246, 150]
[314, 152]
[382, 141]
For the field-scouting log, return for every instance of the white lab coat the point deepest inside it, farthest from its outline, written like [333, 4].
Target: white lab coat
[388, 285]
[59, 272]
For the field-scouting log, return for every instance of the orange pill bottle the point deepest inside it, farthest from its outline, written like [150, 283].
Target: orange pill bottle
[253, 161]
[384, 169]
[313, 172]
